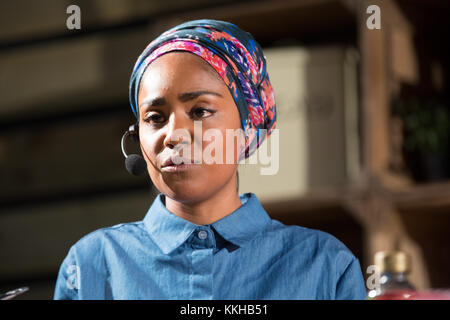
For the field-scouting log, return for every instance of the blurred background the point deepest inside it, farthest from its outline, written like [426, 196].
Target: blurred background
[363, 119]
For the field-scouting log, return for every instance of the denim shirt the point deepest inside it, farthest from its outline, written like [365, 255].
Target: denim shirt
[246, 255]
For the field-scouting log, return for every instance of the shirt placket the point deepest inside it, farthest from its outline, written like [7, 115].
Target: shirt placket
[201, 277]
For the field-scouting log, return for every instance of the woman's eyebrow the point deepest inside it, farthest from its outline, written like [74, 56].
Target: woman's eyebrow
[183, 97]
[153, 102]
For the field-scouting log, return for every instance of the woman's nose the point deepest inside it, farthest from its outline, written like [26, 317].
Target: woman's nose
[178, 130]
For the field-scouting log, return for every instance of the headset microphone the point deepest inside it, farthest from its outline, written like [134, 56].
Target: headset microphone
[134, 163]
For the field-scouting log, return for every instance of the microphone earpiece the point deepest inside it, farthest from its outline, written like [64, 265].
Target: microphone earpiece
[134, 163]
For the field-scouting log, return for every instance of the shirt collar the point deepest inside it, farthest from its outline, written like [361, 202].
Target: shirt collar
[170, 231]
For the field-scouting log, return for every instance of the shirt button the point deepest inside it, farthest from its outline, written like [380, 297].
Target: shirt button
[202, 234]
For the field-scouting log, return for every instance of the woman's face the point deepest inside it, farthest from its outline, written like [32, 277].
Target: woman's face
[177, 89]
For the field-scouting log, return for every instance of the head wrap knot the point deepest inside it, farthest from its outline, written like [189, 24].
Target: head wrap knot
[236, 57]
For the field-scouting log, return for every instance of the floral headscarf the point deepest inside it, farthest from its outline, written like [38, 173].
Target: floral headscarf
[236, 57]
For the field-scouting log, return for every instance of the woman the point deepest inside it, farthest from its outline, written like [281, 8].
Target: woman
[201, 239]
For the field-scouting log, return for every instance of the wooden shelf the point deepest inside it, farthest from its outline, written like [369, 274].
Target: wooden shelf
[305, 21]
[425, 197]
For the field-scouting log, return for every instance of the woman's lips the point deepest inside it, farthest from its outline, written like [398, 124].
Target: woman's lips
[177, 167]
[169, 165]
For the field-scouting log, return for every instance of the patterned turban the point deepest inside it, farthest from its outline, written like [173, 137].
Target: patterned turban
[236, 57]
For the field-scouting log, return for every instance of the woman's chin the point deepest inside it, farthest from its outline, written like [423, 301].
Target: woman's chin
[184, 192]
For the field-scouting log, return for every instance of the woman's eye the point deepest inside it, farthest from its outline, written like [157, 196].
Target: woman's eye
[154, 118]
[202, 112]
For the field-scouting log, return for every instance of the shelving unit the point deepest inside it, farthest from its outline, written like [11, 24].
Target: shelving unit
[379, 209]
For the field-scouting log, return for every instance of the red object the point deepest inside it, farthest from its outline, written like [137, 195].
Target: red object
[414, 295]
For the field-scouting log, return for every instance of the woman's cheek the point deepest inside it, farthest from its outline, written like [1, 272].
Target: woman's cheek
[149, 139]
[148, 153]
